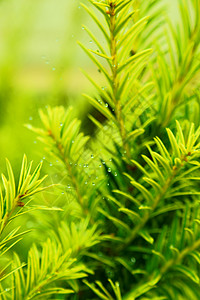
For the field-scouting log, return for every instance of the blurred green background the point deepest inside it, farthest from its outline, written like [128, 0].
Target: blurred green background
[39, 66]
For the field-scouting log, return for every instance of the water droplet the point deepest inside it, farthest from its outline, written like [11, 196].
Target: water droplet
[68, 186]
[108, 184]
[86, 182]
[109, 170]
[51, 164]
[92, 156]
[115, 173]
[133, 260]
[109, 273]
[110, 159]
[106, 105]
[93, 183]
[53, 69]
[62, 193]
[83, 28]
[73, 142]
[61, 124]
[90, 42]
[43, 157]
[100, 166]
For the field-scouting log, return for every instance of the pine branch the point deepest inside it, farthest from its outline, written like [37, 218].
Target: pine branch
[183, 153]
[44, 271]
[115, 83]
[13, 198]
[123, 70]
[183, 52]
[67, 144]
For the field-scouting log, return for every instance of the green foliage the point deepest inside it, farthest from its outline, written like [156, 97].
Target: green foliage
[13, 198]
[44, 268]
[128, 212]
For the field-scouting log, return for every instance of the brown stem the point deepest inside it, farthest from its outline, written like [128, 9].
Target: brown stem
[115, 82]
[9, 214]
